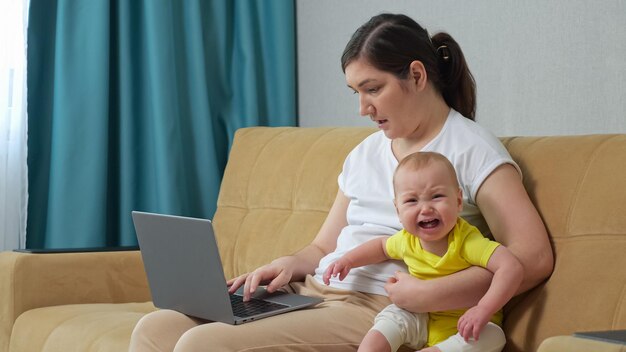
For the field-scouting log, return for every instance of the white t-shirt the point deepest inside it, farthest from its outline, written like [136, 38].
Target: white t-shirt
[366, 180]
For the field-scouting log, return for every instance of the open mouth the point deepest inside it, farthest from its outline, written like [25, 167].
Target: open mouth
[428, 224]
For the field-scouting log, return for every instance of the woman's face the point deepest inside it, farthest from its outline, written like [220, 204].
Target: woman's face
[390, 102]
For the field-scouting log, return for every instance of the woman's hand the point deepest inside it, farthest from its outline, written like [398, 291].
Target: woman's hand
[295, 267]
[275, 275]
[402, 288]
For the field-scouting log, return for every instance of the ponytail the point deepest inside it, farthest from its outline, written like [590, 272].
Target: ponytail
[457, 84]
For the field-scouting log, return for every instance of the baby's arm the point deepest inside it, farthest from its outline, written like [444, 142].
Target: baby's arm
[507, 276]
[370, 252]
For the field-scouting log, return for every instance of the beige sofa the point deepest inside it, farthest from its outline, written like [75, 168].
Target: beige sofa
[277, 188]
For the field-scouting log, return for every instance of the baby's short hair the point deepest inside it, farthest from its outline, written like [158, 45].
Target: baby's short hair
[419, 160]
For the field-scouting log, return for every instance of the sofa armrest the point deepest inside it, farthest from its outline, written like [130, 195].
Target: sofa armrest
[576, 344]
[29, 281]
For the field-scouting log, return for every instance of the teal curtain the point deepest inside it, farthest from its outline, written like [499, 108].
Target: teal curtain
[133, 104]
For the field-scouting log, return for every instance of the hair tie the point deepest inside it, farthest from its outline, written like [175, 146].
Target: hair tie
[444, 52]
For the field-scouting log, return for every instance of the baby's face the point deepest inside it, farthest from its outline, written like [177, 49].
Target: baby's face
[428, 201]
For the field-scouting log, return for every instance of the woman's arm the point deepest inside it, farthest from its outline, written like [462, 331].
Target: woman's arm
[295, 267]
[325, 242]
[460, 290]
[514, 222]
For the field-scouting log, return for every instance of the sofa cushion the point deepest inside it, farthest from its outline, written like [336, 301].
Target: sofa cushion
[100, 327]
[575, 344]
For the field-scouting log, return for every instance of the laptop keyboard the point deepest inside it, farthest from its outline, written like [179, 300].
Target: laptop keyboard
[252, 307]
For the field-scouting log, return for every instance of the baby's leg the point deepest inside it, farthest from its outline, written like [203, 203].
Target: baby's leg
[397, 327]
[491, 339]
[374, 341]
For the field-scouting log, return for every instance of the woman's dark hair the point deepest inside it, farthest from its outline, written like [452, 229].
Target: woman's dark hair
[391, 42]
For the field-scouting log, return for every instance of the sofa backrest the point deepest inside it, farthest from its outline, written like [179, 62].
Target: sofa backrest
[277, 188]
[280, 182]
[578, 184]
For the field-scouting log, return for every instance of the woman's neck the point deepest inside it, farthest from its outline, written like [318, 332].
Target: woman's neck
[426, 131]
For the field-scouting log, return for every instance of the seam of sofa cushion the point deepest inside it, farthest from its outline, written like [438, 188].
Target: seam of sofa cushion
[103, 336]
[618, 309]
[581, 181]
[309, 150]
[248, 186]
[256, 161]
[237, 239]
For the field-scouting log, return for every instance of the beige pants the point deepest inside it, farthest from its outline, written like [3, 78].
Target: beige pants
[337, 324]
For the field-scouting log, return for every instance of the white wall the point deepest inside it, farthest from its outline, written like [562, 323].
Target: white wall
[541, 67]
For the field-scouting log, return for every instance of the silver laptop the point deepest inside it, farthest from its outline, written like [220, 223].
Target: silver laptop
[185, 273]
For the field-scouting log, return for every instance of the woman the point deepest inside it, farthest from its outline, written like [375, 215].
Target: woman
[420, 93]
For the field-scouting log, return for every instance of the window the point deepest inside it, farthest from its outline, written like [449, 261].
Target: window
[13, 169]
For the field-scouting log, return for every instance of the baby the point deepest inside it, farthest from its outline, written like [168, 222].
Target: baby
[435, 242]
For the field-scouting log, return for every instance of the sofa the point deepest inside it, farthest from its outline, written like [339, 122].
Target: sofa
[277, 188]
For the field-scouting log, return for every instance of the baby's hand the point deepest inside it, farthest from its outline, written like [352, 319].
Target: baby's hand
[472, 322]
[340, 267]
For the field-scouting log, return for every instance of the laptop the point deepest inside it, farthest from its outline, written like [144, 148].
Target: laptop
[185, 274]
